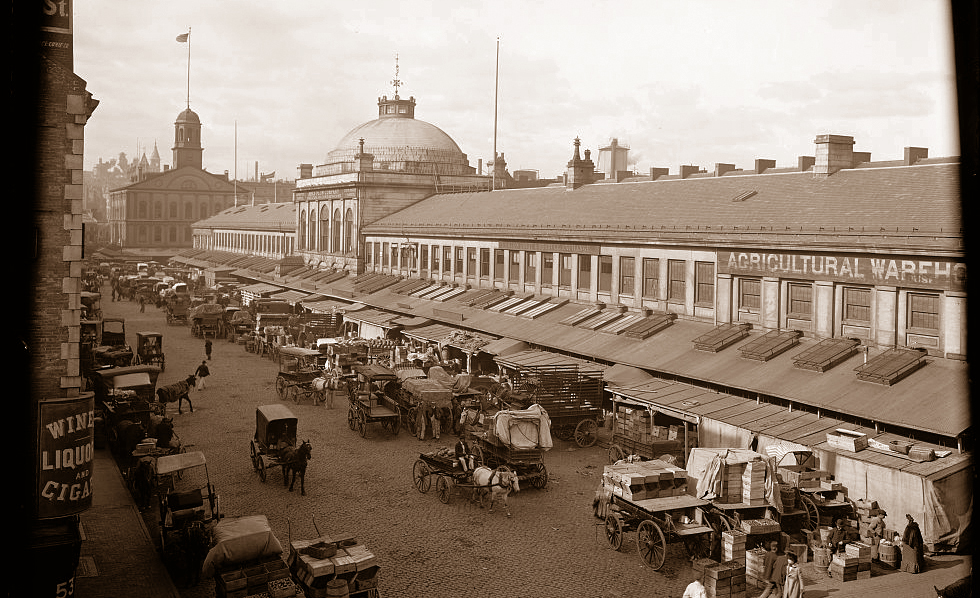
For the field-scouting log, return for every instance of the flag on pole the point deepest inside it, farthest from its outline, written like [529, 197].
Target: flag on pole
[182, 37]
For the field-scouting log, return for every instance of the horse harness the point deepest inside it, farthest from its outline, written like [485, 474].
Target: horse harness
[509, 485]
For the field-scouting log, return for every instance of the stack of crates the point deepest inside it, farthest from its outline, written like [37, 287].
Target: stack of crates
[644, 479]
[844, 567]
[862, 552]
[755, 566]
[733, 546]
[731, 483]
[724, 580]
[754, 483]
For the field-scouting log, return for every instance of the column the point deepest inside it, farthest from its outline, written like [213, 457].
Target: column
[823, 309]
[886, 320]
[723, 299]
[770, 303]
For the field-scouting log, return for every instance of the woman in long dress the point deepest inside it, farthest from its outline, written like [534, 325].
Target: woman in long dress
[793, 586]
[913, 548]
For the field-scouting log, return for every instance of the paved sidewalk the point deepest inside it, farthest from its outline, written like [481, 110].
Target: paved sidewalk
[118, 558]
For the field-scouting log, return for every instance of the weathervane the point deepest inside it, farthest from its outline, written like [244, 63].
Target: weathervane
[396, 82]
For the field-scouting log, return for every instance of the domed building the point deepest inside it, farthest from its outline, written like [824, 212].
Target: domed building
[377, 169]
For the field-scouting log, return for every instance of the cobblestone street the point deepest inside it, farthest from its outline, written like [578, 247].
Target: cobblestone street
[551, 546]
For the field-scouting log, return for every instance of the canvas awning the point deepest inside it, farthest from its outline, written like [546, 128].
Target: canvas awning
[504, 346]
[625, 376]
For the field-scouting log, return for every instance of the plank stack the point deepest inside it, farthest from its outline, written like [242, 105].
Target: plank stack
[260, 577]
[844, 567]
[321, 564]
[725, 580]
[757, 527]
[731, 483]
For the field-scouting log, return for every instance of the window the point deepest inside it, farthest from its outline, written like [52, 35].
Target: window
[173, 211]
[378, 253]
[515, 267]
[369, 253]
[301, 233]
[349, 232]
[651, 277]
[565, 273]
[605, 273]
[676, 273]
[447, 259]
[435, 259]
[325, 229]
[424, 259]
[458, 264]
[384, 254]
[158, 211]
[173, 234]
[627, 275]
[484, 263]
[750, 294]
[498, 264]
[394, 255]
[547, 268]
[336, 225]
[704, 283]
[313, 239]
[530, 266]
[800, 300]
[471, 262]
[584, 271]
[923, 312]
[857, 305]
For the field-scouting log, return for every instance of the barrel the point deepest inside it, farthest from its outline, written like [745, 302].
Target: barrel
[337, 587]
[788, 496]
[888, 555]
[821, 557]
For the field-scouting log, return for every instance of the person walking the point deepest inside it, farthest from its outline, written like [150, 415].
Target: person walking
[434, 417]
[876, 531]
[142, 304]
[775, 573]
[913, 548]
[207, 348]
[793, 585]
[767, 565]
[202, 374]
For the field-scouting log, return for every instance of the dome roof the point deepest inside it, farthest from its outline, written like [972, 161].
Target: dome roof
[188, 116]
[385, 134]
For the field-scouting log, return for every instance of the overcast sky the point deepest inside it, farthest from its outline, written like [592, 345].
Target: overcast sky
[679, 82]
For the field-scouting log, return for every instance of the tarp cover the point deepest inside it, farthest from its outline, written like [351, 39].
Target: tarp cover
[524, 429]
[239, 540]
[207, 309]
[706, 466]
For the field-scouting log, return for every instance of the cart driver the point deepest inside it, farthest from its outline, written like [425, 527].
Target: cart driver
[464, 455]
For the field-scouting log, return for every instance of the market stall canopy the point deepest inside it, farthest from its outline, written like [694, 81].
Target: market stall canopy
[625, 376]
[504, 346]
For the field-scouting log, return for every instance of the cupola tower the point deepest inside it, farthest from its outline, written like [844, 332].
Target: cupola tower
[187, 141]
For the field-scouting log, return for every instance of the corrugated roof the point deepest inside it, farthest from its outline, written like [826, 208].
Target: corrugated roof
[276, 217]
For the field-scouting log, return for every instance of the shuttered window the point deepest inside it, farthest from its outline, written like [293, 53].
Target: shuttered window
[676, 273]
[704, 282]
[800, 301]
[627, 275]
[923, 312]
[605, 273]
[651, 278]
[857, 305]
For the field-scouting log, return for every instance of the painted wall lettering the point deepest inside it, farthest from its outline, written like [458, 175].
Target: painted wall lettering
[65, 456]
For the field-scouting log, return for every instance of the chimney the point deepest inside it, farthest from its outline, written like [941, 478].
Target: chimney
[805, 163]
[579, 172]
[656, 173]
[363, 160]
[256, 171]
[860, 157]
[914, 154]
[834, 152]
[304, 171]
[686, 171]
[762, 165]
[721, 169]
[479, 166]
[226, 175]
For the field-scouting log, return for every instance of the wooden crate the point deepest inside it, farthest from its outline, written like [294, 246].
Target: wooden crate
[847, 440]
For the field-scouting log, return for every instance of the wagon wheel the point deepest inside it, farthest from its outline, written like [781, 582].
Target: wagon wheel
[281, 387]
[261, 463]
[253, 454]
[811, 519]
[396, 425]
[351, 419]
[478, 458]
[539, 479]
[563, 432]
[444, 486]
[293, 394]
[420, 474]
[586, 433]
[362, 424]
[651, 544]
[413, 414]
[615, 453]
[699, 546]
[614, 530]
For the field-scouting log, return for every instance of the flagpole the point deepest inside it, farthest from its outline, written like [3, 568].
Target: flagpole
[236, 163]
[496, 81]
[188, 68]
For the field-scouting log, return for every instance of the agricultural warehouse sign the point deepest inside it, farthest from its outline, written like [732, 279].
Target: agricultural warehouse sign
[933, 273]
[65, 456]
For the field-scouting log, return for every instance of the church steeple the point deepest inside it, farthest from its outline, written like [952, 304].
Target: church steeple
[187, 141]
[155, 159]
[396, 107]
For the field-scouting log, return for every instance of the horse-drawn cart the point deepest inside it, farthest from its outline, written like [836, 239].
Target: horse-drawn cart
[368, 402]
[299, 368]
[451, 479]
[274, 444]
[415, 396]
[657, 523]
[206, 319]
[149, 349]
[517, 440]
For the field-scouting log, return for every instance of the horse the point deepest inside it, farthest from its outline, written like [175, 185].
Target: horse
[294, 460]
[177, 392]
[498, 483]
[143, 477]
[324, 385]
[162, 428]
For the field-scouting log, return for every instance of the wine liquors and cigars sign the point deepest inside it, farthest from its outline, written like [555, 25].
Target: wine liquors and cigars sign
[934, 273]
[65, 453]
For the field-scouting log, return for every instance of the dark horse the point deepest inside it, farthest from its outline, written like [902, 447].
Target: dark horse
[294, 460]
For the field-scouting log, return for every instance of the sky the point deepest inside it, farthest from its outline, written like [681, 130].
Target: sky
[679, 82]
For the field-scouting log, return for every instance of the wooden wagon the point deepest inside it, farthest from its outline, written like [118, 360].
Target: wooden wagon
[368, 402]
[275, 430]
[414, 394]
[518, 441]
[298, 368]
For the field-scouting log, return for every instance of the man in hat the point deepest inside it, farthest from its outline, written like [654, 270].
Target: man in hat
[876, 530]
[837, 540]
[773, 572]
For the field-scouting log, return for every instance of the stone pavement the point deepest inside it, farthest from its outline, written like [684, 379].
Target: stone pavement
[118, 558]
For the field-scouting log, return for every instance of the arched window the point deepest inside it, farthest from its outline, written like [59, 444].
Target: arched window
[158, 234]
[141, 237]
[337, 226]
[173, 234]
[312, 231]
[301, 237]
[349, 232]
[157, 210]
[173, 211]
[142, 210]
[325, 229]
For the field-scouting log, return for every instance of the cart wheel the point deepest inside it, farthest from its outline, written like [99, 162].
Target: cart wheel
[293, 393]
[586, 433]
[478, 458]
[413, 415]
[254, 455]
[362, 424]
[614, 530]
[396, 424]
[261, 468]
[444, 486]
[539, 479]
[811, 520]
[650, 544]
[420, 474]
[615, 453]
[281, 387]
[351, 419]
[699, 546]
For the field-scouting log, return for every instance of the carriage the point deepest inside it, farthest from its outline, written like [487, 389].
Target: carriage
[149, 349]
[125, 394]
[812, 491]
[298, 369]
[417, 394]
[368, 401]
[517, 440]
[275, 437]
[113, 350]
[205, 320]
[178, 306]
[450, 477]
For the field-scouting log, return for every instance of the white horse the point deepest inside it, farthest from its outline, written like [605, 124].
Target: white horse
[498, 483]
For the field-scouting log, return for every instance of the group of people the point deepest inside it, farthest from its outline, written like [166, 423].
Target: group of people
[782, 576]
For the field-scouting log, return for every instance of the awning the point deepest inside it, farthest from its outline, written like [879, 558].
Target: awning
[260, 289]
[621, 396]
[292, 297]
[447, 335]
[625, 376]
[504, 346]
[533, 358]
[411, 322]
[378, 318]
